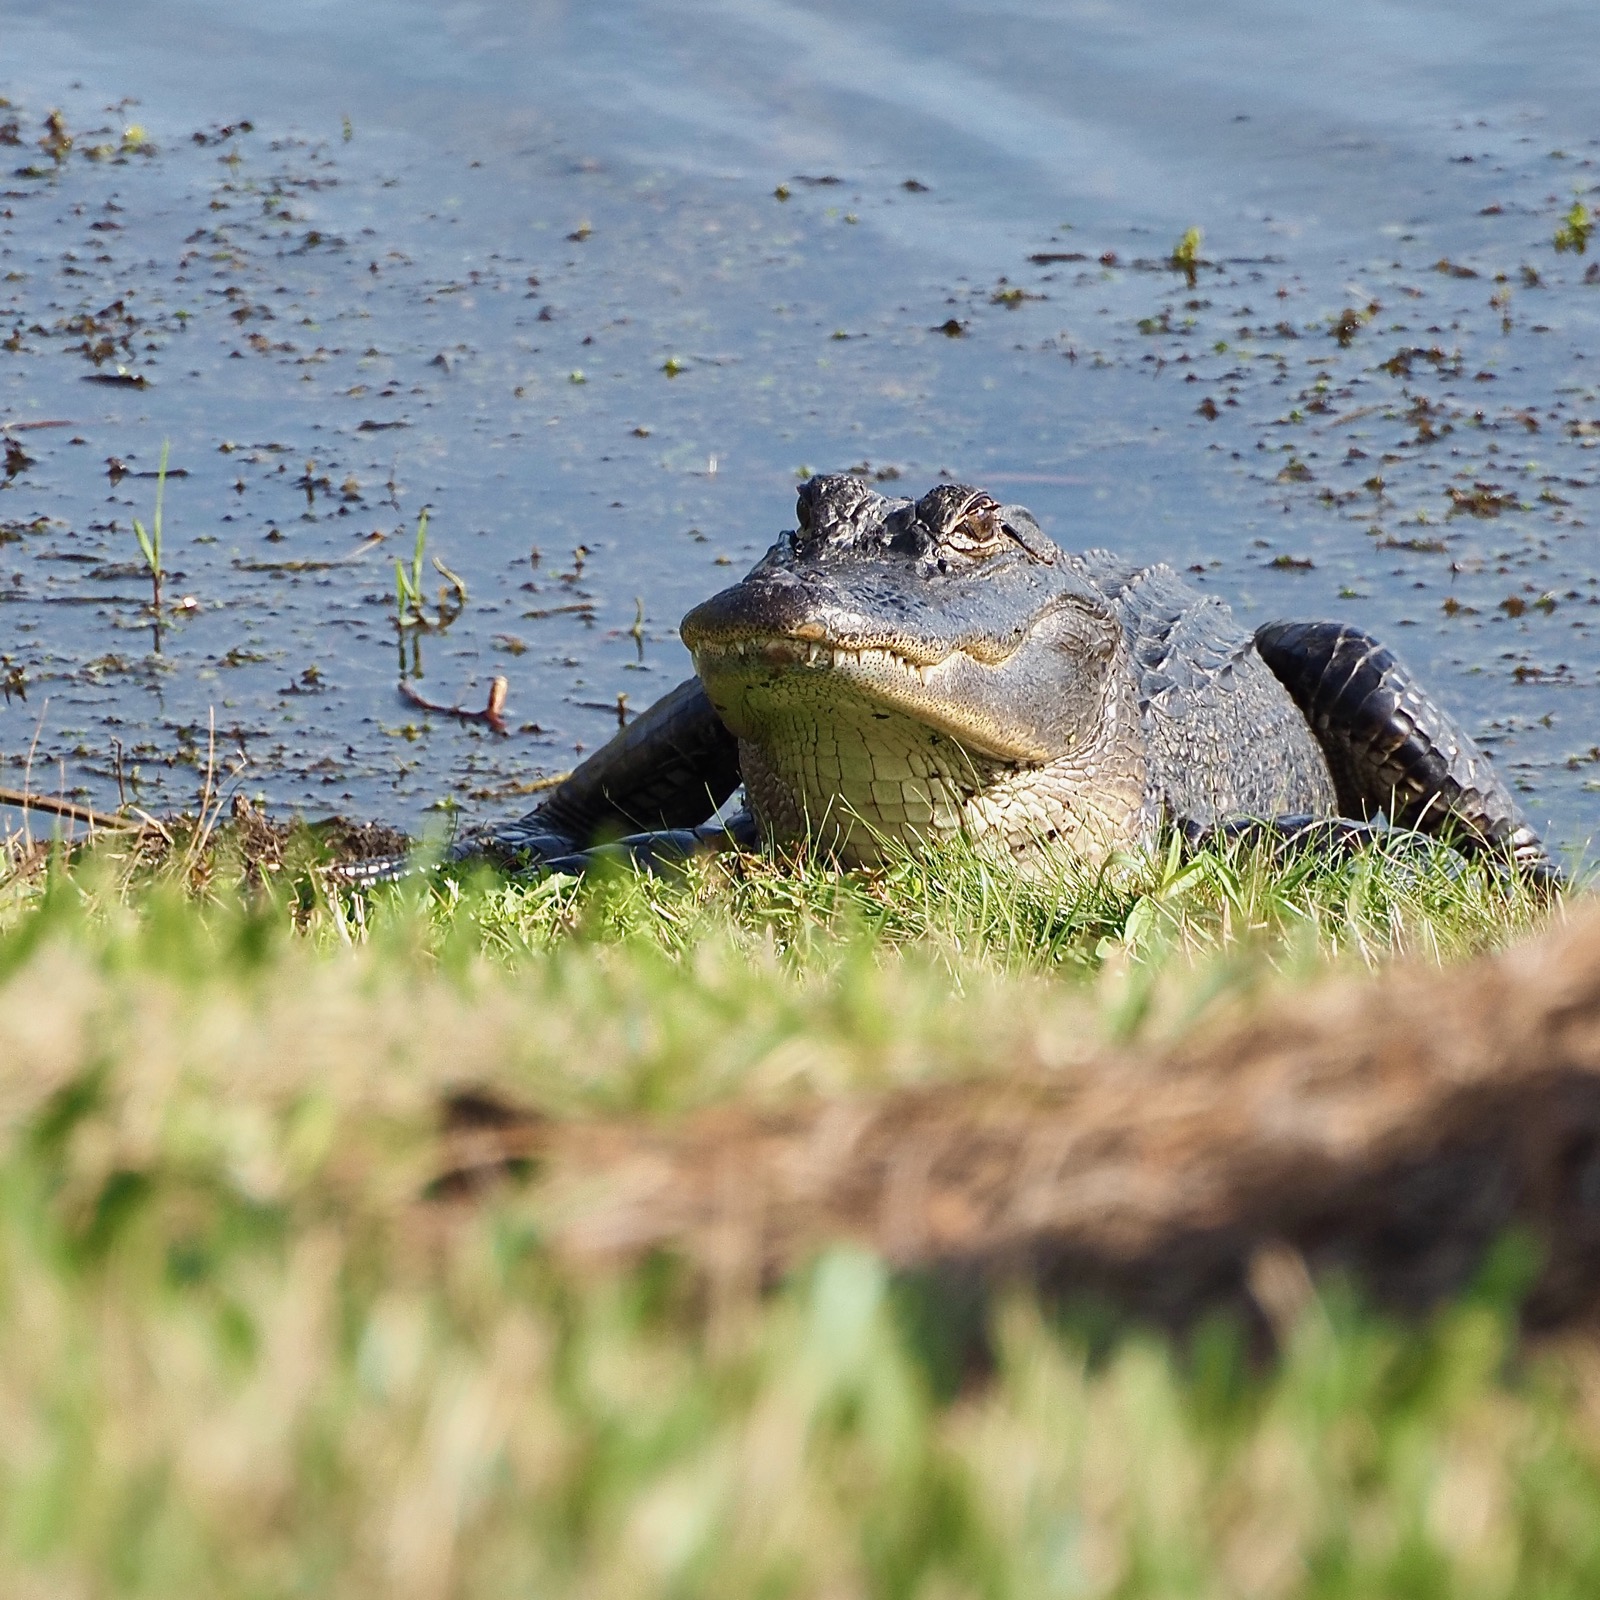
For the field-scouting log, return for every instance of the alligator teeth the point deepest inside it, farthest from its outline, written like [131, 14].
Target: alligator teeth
[796, 652]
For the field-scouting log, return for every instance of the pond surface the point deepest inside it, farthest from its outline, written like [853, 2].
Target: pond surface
[593, 284]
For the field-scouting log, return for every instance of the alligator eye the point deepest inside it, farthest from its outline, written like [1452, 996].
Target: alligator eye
[980, 532]
[802, 513]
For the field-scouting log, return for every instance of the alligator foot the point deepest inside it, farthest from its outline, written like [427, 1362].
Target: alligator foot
[1340, 837]
[521, 851]
[526, 852]
[1336, 837]
[662, 849]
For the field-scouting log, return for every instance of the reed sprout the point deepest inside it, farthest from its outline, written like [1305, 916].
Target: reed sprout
[410, 601]
[150, 542]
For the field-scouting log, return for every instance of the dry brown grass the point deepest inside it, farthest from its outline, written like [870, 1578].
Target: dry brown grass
[1395, 1126]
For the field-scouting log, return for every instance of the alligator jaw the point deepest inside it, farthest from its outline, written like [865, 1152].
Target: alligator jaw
[741, 675]
[855, 748]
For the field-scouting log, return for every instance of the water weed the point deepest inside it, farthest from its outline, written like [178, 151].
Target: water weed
[1576, 226]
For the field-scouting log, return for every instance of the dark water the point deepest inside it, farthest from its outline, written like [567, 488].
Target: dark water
[524, 265]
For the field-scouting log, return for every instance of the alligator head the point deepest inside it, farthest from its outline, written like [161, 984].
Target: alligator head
[896, 668]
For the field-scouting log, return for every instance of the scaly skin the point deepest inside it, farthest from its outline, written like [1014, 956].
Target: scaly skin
[892, 670]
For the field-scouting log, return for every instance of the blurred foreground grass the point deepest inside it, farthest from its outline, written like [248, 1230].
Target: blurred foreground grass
[243, 1354]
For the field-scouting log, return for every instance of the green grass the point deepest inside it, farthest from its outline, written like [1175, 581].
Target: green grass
[240, 1355]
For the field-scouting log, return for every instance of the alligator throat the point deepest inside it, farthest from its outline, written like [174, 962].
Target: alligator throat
[823, 762]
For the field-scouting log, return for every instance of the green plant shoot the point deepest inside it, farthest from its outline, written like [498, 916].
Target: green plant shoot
[1186, 254]
[408, 585]
[150, 541]
[1576, 226]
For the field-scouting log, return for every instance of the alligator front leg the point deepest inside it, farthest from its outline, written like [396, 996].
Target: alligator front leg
[670, 768]
[650, 788]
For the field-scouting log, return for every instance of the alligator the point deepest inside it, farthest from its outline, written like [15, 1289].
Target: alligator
[894, 671]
